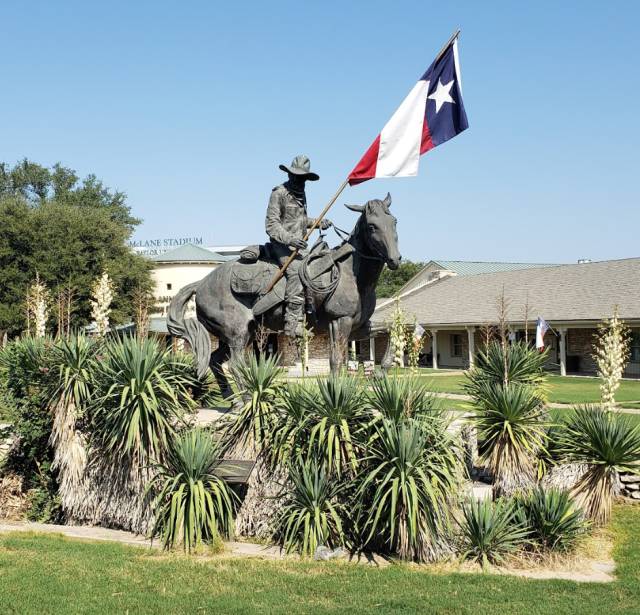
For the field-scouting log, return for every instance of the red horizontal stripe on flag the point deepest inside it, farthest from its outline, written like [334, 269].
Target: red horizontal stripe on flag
[366, 168]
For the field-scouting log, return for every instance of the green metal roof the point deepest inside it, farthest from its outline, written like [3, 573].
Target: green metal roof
[188, 253]
[476, 267]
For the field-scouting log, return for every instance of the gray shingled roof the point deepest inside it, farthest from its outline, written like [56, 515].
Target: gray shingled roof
[477, 267]
[562, 293]
[189, 253]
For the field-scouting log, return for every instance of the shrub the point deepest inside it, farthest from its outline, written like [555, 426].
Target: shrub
[407, 485]
[141, 394]
[259, 386]
[554, 521]
[74, 361]
[491, 531]
[312, 514]
[607, 444]
[27, 376]
[514, 363]
[401, 398]
[511, 428]
[338, 412]
[291, 429]
[193, 505]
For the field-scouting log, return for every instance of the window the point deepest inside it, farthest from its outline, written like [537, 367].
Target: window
[168, 286]
[456, 345]
[634, 347]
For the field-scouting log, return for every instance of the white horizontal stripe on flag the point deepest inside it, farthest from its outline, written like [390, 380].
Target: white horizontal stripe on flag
[400, 139]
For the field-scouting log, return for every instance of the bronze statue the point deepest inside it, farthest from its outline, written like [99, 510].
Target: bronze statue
[286, 224]
[341, 283]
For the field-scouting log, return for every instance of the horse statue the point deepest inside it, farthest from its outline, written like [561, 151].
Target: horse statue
[232, 313]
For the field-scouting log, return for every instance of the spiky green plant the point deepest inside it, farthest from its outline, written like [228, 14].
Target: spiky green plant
[141, 396]
[511, 423]
[74, 361]
[514, 363]
[338, 413]
[607, 444]
[312, 515]
[406, 488]
[192, 503]
[259, 385]
[491, 531]
[291, 427]
[400, 398]
[554, 520]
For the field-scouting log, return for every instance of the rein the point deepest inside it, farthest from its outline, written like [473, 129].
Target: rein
[345, 236]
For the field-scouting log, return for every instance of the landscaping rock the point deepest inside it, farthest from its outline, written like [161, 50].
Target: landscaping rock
[635, 495]
[630, 479]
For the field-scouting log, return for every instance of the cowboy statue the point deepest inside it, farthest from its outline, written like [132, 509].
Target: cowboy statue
[287, 224]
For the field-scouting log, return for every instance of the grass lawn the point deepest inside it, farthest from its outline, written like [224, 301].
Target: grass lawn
[568, 390]
[562, 389]
[48, 574]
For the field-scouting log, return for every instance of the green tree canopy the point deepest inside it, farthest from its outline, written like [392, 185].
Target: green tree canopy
[68, 230]
[392, 281]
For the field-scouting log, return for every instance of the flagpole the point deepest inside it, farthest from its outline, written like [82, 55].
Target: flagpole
[312, 228]
[454, 36]
[319, 219]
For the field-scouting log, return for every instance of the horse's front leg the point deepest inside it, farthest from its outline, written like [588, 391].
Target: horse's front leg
[339, 331]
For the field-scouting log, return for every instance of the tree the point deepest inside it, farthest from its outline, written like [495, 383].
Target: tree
[69, 231]
[391, 282]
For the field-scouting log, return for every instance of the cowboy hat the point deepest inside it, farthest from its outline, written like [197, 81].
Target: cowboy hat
[300, 165]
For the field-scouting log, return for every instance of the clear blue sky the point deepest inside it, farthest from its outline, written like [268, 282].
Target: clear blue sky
[189, 107]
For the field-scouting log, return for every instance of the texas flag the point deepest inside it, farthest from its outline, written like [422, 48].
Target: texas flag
[541, 328]
[431, 114]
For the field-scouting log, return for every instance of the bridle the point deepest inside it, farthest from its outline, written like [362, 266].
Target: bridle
[346, 237]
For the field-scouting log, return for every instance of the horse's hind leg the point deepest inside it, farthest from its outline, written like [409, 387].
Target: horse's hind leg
[218, 357]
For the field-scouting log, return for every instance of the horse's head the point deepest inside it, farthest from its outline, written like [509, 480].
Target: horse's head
[377, 228]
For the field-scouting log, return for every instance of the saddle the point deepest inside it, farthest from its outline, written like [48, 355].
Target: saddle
[252, 274]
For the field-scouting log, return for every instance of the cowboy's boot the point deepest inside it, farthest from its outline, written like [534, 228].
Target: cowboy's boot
[293, 319]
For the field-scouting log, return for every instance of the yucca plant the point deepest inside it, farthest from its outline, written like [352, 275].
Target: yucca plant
[338, 413]
[291, 426]
[192, 505]
[406, 488]
[74, 359]
[401, 398]
[607, 444]
[259, 385]
[554, 520]
[511, 423]
[313, 513]
[514, 363]
[490, 531]
[141, 396]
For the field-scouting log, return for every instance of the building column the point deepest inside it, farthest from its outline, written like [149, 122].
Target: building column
[471, 337]
[372, 349]
[352, 352]
[434, 347]
[563, 352]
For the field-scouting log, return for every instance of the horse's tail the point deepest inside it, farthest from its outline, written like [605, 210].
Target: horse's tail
[190, 329]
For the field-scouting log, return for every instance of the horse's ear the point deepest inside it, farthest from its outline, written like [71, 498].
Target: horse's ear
[358, 208]
[387, 201]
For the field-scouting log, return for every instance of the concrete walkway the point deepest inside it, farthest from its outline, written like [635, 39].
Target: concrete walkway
[238, 549]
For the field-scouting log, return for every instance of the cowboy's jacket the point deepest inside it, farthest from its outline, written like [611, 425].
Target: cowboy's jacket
[287, 215]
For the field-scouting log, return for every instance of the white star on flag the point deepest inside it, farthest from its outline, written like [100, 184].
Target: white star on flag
[442, 94]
